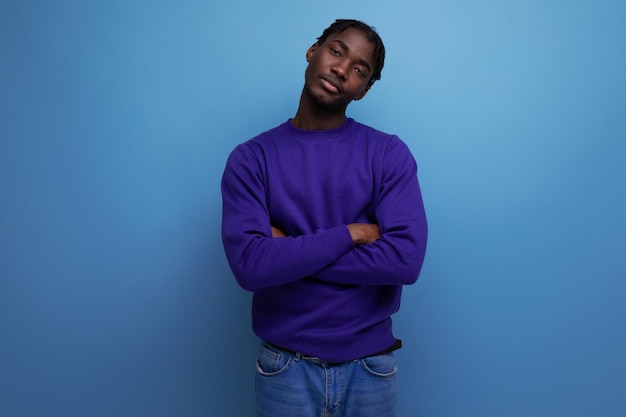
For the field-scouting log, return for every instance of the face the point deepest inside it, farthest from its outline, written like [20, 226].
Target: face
[339, 69]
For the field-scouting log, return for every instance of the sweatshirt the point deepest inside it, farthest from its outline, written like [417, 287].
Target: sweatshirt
[315, 292]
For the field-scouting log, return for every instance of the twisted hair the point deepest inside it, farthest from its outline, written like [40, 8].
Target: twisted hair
[379, 49]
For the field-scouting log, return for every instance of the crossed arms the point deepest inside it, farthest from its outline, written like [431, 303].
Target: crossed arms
[390, 252]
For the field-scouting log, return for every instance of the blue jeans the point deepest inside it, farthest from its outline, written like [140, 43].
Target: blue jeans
[292, 385]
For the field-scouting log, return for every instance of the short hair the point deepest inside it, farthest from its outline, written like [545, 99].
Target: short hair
[379, 48]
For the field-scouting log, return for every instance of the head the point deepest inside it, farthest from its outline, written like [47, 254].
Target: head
[343, 64]
[341, 25]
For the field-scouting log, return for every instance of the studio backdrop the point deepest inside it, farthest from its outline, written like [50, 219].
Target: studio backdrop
[116, 119]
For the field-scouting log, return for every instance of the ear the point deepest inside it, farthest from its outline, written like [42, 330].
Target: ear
[311, 51]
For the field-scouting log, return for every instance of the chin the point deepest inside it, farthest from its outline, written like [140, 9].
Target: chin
[326, 102]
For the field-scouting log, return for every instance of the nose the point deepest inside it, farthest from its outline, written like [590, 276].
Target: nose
[340, 69]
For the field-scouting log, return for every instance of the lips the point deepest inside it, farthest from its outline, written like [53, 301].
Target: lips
[330, 84]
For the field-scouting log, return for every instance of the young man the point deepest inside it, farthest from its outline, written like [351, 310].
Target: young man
[323, 220]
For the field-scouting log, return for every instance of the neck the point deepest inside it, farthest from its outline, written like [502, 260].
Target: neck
[314, 117]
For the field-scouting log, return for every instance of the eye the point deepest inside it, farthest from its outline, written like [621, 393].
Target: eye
[335, 52]
[360, 73]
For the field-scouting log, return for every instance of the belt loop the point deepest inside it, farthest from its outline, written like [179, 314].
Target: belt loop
[297, 356]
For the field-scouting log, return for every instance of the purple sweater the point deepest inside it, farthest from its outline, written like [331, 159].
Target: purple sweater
[314, 291]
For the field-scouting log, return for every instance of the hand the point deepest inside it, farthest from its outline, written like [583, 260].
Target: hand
[363, 233]
[276, 232]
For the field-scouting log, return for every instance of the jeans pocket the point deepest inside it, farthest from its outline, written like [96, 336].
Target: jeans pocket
[271, 361]
[382, 366]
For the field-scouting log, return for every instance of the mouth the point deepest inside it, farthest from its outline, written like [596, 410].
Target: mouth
[330, 84]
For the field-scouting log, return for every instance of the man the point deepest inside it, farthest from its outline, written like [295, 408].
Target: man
[323, 220]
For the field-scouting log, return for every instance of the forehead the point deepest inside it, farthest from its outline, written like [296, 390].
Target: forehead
[355, 41]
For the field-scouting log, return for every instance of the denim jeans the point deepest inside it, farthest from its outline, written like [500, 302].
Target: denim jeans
[292, 385]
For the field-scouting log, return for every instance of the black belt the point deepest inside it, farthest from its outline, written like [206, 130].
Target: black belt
[395, 346]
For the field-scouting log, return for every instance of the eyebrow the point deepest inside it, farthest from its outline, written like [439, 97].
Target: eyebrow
[345, 48]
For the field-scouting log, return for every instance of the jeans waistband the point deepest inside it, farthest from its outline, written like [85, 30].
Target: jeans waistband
[395, 346]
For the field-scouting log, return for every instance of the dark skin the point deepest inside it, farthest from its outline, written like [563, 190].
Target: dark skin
[338, 73]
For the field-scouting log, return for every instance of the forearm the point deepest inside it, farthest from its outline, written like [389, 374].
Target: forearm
[395, 258]
[259, 260]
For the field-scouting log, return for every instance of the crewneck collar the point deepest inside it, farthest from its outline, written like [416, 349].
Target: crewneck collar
[318, 134]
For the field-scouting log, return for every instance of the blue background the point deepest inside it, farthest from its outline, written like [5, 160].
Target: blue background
[116, 119]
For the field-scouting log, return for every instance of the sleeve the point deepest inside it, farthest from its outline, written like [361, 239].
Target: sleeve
[397, 256]
[257, 259]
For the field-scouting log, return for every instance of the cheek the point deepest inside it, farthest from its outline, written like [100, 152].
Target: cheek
[362, 87]
[313, 66]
